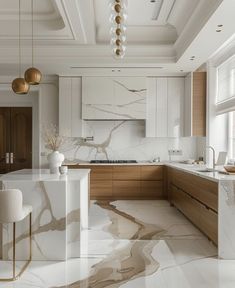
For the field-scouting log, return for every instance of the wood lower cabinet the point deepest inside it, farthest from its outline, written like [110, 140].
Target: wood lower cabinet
[101, 189]
[126, 172]
[115, 182]
[151, 173]
[203, 190]
[197, 199]
[126, 189]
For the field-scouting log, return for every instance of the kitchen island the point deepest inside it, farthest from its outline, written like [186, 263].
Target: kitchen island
[60, 214]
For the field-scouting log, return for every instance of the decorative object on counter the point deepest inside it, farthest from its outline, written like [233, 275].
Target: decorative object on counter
[55, 160]
[19, 85]
[55, 143]
[156, 159]
[63, 170]
[229, 168]
[32, 75]
[118, 18]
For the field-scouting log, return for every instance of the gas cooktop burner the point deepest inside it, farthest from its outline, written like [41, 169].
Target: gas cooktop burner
[113, 161]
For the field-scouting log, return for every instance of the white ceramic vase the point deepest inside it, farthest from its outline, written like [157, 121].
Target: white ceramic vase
[55, 160]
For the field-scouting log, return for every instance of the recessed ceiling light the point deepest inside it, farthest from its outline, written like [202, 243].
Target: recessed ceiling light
[218, 30]
[152, 1]
[181, 70]
[220, 25]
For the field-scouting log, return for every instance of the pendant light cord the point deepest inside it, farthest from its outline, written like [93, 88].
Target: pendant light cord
[32, 31]
[19, 39]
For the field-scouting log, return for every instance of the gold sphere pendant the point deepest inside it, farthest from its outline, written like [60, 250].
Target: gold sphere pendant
[33, 76]
[20, 86]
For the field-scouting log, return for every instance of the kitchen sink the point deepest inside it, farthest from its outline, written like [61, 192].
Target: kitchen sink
[206, 170]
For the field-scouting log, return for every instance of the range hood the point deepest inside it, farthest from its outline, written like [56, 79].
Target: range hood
[114, 98]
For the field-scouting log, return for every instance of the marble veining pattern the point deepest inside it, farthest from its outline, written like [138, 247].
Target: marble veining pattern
[129, 101]
[126, 140]
[136, 244]
[56, 217]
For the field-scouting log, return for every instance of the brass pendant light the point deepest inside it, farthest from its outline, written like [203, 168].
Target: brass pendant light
[32, 75]
[19, 85]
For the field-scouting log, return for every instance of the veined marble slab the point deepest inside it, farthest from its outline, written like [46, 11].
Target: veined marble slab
[59, 218]
[227, 219]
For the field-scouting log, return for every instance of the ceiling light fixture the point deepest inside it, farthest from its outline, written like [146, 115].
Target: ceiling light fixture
[19, 85]
[32, 75]
[118, 28]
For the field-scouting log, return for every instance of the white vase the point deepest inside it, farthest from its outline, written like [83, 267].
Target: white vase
[55, 160]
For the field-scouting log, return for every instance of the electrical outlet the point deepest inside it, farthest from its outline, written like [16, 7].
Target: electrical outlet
[175, 152]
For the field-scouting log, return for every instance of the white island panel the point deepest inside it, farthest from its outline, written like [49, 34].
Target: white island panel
[60, 214]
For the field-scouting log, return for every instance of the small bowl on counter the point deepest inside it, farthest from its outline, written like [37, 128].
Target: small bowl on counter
[230, 168]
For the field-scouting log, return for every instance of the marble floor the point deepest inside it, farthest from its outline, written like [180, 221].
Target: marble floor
[135, 244]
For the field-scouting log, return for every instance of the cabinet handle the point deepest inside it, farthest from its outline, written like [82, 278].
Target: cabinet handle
[11, 157]
[7, 158]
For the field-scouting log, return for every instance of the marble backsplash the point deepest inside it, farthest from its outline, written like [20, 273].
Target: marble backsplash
[126, 140]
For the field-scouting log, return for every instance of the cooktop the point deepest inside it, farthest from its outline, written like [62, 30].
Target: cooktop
[113, 161]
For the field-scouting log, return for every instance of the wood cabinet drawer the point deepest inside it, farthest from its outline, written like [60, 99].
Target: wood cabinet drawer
[126, 189]
[151, 173]
[151, 189]
[101, 172]
[209, 223]
[204, 190]
[101, 188]
[126, 173]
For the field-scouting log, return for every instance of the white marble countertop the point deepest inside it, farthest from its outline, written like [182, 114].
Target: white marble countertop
[44, 175]
[195, 169]
[190, 168]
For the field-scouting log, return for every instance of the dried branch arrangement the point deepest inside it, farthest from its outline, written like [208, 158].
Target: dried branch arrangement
[53, 141]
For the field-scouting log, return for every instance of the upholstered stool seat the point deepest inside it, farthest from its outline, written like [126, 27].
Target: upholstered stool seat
[12, 210]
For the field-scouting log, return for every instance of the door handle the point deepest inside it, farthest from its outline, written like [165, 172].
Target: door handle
[7, 158]
[11, 157]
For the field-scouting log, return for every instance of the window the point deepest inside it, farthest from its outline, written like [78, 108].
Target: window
[226, 80]
[231, 135]
[225, 96]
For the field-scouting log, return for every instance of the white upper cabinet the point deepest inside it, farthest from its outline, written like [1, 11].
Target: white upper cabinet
[109, 98]
[165, 107]
[70, 106]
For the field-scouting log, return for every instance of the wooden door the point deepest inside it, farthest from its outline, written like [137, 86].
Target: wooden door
[5, 117]
[16, 138]
[21, 138]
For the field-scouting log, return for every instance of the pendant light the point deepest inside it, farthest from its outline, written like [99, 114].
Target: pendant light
[32, 75]
[19, 85]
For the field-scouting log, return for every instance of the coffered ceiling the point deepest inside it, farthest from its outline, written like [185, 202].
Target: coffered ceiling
[72, 36]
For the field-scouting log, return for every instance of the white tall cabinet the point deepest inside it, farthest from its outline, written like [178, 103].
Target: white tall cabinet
[70, 107]
[165, 107]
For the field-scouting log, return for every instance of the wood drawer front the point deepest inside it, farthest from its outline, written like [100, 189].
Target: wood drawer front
[202, 189]
[101, 172]
[209, 223]
[151, 173]
[101, 188]
[151, 189]
[126, 189]
[126, 173]
[189, 207]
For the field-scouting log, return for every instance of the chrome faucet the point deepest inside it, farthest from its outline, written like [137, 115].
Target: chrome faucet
[213, 151]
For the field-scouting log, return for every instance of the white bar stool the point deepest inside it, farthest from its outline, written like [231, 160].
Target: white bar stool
[12, 210]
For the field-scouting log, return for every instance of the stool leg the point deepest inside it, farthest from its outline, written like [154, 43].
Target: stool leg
[14, 250]
[30, 236]
[15, 277]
